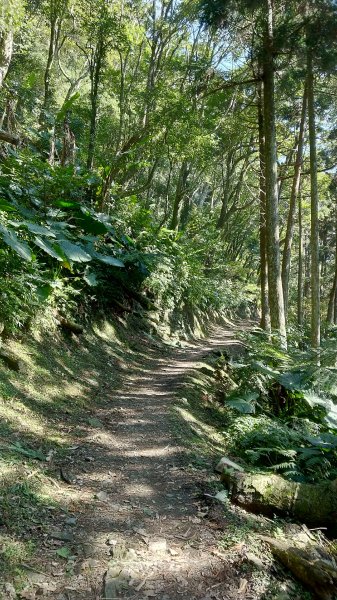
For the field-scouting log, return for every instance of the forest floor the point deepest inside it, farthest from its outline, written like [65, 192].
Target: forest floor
[120, 506]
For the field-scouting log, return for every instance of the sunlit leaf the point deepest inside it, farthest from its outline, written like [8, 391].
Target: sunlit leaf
[74, 252]
[49, 249]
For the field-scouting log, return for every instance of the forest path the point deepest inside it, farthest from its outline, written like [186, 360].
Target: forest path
[140, 509]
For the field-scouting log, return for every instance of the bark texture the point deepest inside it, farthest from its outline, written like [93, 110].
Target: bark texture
[310, 565]
[314, 504]
[6, 51]
[265, 313]
[286, 261]
[275, 291]
[314, 234]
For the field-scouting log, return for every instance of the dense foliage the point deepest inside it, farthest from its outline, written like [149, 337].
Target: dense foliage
[288, 408]
[171, 155]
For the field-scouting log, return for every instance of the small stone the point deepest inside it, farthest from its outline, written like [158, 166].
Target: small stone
[63, 536]
[114, 583]
[118, 551]
[10, 592]
[102, 496]
[90, 564]
[71, 521]
[89, 458]
[227, 464]
[158, 545]
[112, 541]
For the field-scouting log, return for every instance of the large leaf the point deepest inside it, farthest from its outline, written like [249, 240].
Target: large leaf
[331, 417]
[90, 278]
[74, 252]
[314, 400]
[11, 239]
[109, 260]
[261, 368]
[244, 403]
[39, 229]
[6, 206]
[90, 224]
[60, 116]
[293, 380]
[49, 249]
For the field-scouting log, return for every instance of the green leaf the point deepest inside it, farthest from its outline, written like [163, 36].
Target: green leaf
[74, 252]
[314, 400]
[90, 278]
[11, 239]
[44, 291]
[293, 380]
[259, 366]
[64, 552]
[89, 224]
[109, 260]
[26, 451]
[48, 248]
[65, 203]
[6, 206]
[38, 229]
[66, 106]
[242, 406]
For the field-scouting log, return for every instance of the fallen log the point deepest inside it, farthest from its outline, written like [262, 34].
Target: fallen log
[70, 326]
[269, 494]
[313, 568]
[9, 138]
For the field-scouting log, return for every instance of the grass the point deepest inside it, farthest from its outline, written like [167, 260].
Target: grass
[45, 408]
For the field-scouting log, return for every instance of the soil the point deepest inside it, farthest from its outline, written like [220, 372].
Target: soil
[136, 522]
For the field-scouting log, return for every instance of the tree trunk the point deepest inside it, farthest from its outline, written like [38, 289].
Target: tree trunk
[55, 26]
[265, 314]
[300, 290]
[95, 76]
[179, 195]
[332, 296]
[292, 206]
[6, 51]
[277, 316]
[314, 236]
[5, 136]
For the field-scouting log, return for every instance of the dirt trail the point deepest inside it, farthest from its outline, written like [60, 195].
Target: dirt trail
[140, 515]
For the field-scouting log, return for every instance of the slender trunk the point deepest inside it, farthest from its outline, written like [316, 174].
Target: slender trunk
[332, 296]
[6, 51]
[95, 76]
[55, 26]
[314, 236]
[179, 195]
[286, 262]
[225, 190]
[300, 264]
[265, 314]
[275, 291]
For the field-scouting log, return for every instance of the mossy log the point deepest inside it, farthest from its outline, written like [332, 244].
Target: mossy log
[314, 504]
[70, 326]
[310, 565]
